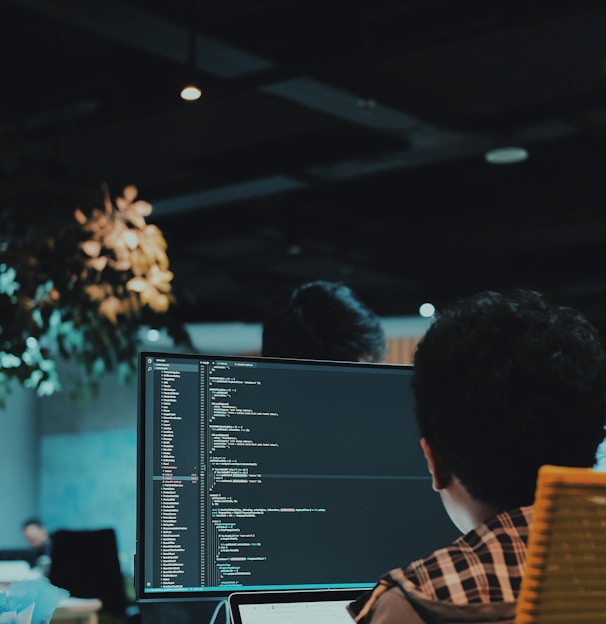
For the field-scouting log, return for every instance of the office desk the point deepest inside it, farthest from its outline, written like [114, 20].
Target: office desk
[77, 611]
[14, 571]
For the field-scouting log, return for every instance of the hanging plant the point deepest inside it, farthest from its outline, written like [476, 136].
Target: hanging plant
[81, 288]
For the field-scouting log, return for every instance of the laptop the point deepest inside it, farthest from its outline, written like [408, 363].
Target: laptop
[324, 606]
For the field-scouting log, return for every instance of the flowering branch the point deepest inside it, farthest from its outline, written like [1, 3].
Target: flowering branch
[82, 291]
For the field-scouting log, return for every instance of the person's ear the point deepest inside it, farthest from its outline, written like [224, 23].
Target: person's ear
[440, 476]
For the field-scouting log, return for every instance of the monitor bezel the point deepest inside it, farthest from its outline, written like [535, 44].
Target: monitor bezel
[213, 594]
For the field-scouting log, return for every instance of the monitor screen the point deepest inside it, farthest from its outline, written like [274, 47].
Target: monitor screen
[268, 474]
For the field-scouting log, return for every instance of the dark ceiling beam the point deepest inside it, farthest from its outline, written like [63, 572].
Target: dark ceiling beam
[133, 27]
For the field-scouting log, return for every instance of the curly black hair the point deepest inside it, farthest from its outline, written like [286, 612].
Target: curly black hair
[505, 383]
[325, 321]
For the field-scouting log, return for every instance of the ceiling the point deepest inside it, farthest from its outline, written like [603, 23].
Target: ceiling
[340, 141]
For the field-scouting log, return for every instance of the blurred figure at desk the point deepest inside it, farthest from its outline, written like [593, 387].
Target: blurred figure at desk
[41, 543]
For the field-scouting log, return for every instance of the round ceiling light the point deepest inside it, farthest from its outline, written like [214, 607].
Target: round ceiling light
[506, 155]
[190, 93]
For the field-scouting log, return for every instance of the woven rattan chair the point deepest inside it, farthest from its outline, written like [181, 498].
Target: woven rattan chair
[565, 577]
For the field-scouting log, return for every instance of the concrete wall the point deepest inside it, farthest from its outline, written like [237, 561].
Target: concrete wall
[88, 463]
[18, 465]
[88, 452]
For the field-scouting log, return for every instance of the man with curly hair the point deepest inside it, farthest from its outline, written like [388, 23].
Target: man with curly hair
[503, 384]
[323, 320]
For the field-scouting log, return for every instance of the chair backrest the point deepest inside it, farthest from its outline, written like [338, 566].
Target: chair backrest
[565, 577]
[86, 563]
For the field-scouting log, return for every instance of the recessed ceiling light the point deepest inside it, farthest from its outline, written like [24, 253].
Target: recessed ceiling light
[506, 155]
[191, 93]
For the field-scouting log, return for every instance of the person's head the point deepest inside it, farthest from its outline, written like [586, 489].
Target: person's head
[323, 321]
[504, 384]
[34, 532]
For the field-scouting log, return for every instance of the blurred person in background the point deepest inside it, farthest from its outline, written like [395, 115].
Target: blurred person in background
[41, 543]
[323, 320]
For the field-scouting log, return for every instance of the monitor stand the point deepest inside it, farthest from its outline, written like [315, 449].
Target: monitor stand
[183, 612]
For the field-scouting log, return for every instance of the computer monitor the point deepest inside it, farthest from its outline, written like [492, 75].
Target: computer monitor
[267, 474]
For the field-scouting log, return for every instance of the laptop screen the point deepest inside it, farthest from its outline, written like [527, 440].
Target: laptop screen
[270, 474]
[303, 607]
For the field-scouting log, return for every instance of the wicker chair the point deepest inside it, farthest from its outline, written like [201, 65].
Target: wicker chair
[565, 577]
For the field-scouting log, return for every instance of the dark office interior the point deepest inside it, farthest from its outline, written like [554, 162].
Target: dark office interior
[417, 150]
[337, 142]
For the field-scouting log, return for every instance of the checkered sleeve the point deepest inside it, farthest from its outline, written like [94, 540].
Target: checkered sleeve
[483, 566]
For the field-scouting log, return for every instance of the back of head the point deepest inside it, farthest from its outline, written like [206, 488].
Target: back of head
[507, 383]
[323, 321]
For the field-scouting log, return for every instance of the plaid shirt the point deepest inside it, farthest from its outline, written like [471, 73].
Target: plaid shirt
[481, 571]
[483, 566]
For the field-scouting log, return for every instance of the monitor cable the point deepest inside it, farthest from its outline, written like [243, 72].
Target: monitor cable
[221, 604]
